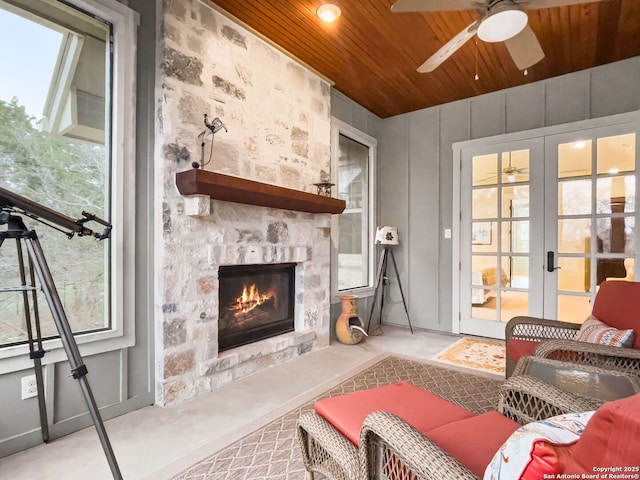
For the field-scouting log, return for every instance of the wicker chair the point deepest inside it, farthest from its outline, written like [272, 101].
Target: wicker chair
[390, 448]
[617, 304]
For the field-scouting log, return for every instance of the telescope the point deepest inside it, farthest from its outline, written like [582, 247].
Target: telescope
[12, 208]
[12, 202]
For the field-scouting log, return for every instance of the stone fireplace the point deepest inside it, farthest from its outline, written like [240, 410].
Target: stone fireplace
[255, 302]
[278, 123]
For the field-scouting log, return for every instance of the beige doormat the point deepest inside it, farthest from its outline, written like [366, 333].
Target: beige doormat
[477, 353]
[272, 451]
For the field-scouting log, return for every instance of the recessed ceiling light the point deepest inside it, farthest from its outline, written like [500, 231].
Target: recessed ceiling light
[328, 12]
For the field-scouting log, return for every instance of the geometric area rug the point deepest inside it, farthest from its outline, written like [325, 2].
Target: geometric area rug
[272, 451]
[477, 353]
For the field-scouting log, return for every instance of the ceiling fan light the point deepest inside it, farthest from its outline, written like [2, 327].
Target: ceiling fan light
[328, 12]
[502, 25]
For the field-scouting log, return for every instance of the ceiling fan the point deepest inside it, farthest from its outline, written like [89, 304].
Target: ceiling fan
[500, 21]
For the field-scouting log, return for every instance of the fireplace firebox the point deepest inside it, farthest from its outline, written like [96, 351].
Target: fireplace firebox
[255, 302]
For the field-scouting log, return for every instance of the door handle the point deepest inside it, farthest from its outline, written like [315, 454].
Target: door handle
[551, 262]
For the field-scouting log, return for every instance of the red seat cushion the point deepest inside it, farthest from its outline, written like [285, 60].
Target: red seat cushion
[416, 406]
[474, 441]
[610, 439]
[618, 305]
[517, 349]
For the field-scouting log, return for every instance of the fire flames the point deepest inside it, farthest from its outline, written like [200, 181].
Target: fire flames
[249, 299]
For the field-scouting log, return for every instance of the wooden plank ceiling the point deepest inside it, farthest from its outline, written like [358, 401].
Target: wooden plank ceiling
[371, 54]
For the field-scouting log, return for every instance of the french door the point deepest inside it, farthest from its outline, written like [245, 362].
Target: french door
[543, 221]
[591, 204]
[501, 235]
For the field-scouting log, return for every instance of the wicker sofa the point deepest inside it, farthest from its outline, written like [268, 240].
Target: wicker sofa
[617, 304]
[380, 433]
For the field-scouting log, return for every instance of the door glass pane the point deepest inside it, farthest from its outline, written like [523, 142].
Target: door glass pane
[573, 308]
[617, 154]
[515, 166]
[574, 197]
[515, 272]
[515, 201]
[353, 185]
[616, 194]
[513, 304]
[574, 274]
[574, 235]
[485, 169]
[484, 237]
[615, 235]
[515, 237]
[614, 269]
[574, 159]
[484, 280]
[485, 203]
[485, 308]
[484, 270]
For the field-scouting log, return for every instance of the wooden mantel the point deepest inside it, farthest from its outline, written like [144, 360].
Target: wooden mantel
[241, 190]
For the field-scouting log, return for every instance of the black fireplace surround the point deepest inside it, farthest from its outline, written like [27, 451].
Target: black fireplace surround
[255, 302]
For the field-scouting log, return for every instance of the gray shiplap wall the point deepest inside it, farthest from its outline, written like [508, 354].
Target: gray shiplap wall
[415, 171]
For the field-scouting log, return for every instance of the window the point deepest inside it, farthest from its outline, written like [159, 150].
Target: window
[66, 142]
[353, 160]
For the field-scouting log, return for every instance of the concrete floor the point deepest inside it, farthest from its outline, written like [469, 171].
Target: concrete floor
[156, 443]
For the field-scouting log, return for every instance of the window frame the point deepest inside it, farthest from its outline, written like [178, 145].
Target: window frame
[338, 127]
[122, 144]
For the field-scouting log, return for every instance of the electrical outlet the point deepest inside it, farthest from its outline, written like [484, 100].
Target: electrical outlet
[29, 387]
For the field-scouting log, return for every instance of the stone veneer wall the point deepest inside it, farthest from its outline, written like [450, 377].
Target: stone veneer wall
[278, 119]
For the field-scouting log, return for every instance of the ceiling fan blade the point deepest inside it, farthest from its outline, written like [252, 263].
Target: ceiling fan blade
[449, 48]
[535, 4]
[436, 5]
[524, 48]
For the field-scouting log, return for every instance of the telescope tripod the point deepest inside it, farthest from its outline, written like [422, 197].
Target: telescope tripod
[381, 282]
[37, 266]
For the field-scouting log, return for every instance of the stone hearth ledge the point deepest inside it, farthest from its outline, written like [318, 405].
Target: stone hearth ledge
[259, 355]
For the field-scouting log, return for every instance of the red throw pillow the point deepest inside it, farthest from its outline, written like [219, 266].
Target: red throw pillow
[610, 441]
[547, 459]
